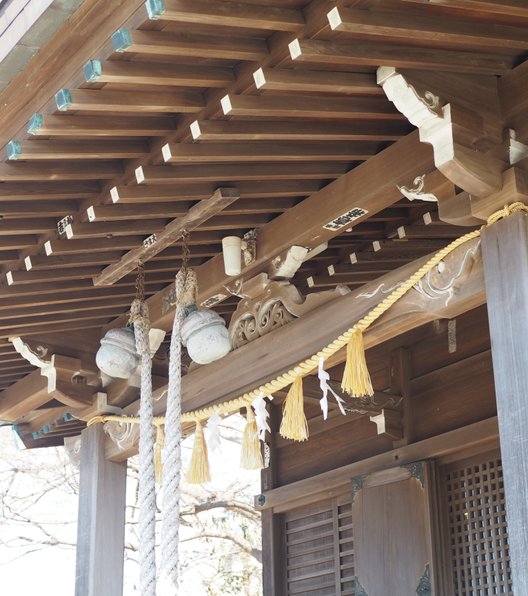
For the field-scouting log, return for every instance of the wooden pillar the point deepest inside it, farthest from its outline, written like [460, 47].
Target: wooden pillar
[101, 522]
[505, 258]
[272, 561]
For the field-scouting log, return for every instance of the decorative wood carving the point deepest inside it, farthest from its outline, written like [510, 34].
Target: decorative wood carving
[66, 378]
[461, 138]
[417, 471]
[416, 191]
[424, 585]
[359, 590]
[123, 434]
[267, 305]
[72, 445]
[356, 484]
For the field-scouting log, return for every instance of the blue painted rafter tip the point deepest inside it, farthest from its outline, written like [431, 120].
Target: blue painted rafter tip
[63, 99]
[35, 123]
[13, 150]
[93, 70]
[121, 40]
[155, 9]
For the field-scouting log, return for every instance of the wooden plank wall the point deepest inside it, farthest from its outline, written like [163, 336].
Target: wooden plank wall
[450, 386]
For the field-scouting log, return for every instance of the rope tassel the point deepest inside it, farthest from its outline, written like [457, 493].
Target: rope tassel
[294, 424]
[251, 455]
[199, 469]
[356, 377]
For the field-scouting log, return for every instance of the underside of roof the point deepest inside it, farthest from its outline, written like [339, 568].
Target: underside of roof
[129, 119]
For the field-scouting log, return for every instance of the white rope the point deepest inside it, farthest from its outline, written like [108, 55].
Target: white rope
[185, 295]
[147, 482]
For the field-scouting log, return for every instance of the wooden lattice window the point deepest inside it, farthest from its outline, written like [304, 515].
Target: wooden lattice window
[320, 549]
[477, 532]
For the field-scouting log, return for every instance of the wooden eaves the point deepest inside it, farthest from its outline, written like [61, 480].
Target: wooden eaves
[285, 108]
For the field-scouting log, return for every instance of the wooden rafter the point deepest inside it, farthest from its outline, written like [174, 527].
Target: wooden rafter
[173, 231]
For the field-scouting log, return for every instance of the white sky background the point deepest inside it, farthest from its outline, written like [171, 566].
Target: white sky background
[51, 571]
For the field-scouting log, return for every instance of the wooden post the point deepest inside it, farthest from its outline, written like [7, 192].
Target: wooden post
[272, 560]
[505, 258]
[101, 522]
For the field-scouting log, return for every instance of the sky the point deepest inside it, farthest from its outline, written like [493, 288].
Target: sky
[50, 571]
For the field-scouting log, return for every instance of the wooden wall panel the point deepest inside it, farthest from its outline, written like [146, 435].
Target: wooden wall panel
[453, 396]
[330, 449]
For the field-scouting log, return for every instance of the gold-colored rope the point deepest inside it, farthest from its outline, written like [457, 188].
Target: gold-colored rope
[310, 364]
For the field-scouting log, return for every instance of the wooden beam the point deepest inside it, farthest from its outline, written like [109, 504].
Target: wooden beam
[36, 208]
[229, 14]
[268, 152]
[120, 212]
[190, 192]
[173, 231]
[244, 172]
[426, 29]
[289, 345]
[157, 74]
[111, 229]
[361, 189]
[270, 130]
[315, 81]
[142, 102]
[505, 256]
[78, 246]
[15, 278]
[370, 54]
[69, 125]
[27, 394]
[482, 434]
[101, 528]
[39, 150]
[88, 170]
[26, 191]
[161, 43]
[342, 108]
[510, 8]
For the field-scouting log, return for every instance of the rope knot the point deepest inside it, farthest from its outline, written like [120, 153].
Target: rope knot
[506, 211]
[138, 312]
[186, 287]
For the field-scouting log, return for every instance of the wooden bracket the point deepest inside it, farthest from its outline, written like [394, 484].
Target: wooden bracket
[462, 136]
[389, 423]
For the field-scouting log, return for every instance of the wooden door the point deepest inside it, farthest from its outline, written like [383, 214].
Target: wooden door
[392, 532]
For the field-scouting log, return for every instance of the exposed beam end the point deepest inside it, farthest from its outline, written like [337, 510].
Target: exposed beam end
[93, 70]
[63, 99]
[121, 40]
[155, 9]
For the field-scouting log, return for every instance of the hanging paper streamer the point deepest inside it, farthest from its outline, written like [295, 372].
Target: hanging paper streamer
[261, 415]
[213, 432]
[324, 377]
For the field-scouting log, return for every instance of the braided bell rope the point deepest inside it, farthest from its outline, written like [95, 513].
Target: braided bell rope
[147, 482]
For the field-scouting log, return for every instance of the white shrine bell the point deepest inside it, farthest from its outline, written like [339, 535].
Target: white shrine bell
[205, 335]
[117, 356]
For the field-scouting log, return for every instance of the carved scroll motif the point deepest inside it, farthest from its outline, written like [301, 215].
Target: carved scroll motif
[416, 192]
[447, 127]
[267, 305]
[123, 434]
[72, 446]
